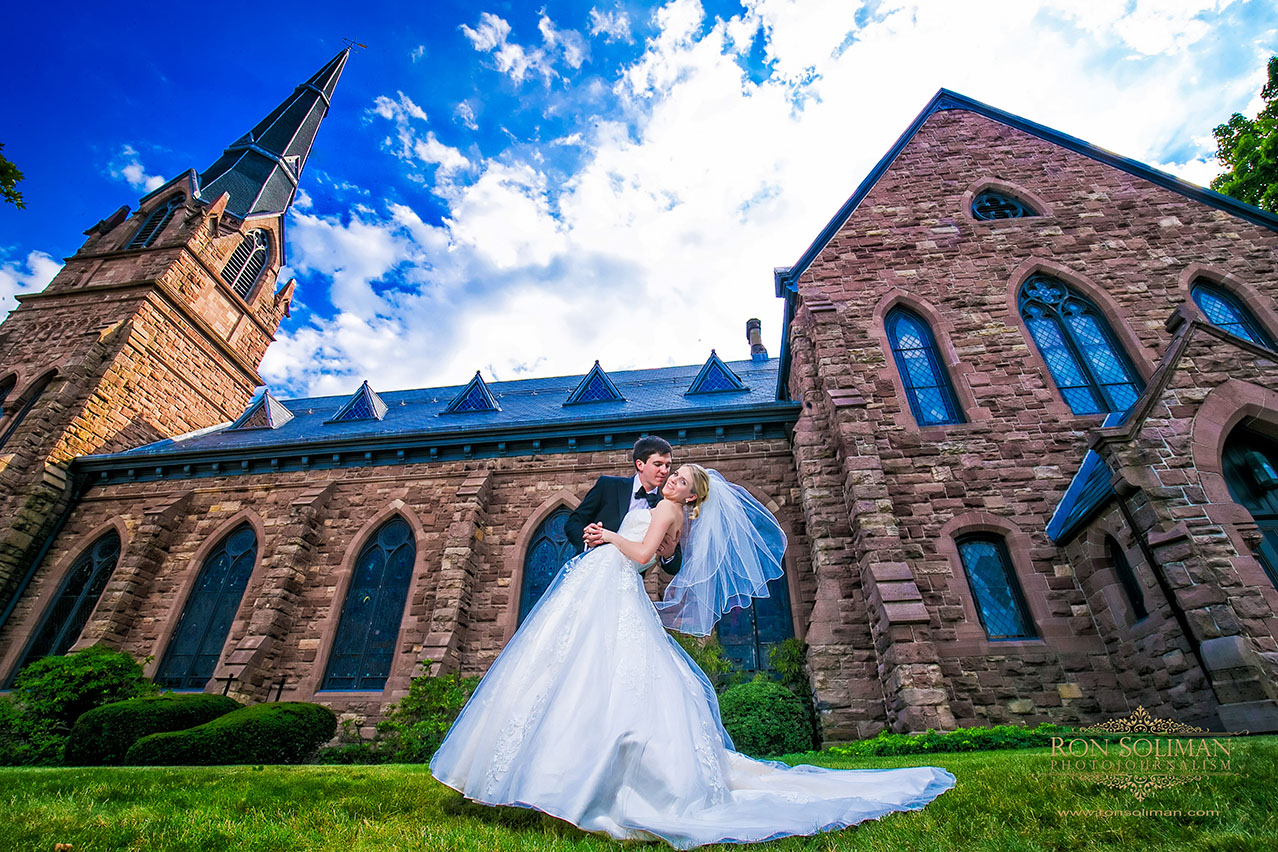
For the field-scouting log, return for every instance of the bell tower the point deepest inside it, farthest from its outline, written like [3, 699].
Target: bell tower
[155, 327]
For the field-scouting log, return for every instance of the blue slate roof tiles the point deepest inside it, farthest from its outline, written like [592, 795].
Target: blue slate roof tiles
[524, 403]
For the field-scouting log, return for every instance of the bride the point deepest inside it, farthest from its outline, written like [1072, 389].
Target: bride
[594, 714]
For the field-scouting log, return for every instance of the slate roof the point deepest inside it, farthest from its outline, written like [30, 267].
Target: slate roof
[260, 170]
[525, 404]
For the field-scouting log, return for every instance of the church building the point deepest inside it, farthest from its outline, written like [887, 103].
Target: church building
[1022, 436]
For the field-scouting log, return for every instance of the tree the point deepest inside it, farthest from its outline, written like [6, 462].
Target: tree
[1249, 148]
[9, 177]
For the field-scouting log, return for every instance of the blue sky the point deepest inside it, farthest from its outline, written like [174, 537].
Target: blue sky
[522, 189]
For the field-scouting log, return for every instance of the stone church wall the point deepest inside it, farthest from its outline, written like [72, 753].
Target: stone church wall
[1131, 248]
[472, 523]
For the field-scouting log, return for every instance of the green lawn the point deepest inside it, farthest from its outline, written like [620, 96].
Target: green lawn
[1004, 802]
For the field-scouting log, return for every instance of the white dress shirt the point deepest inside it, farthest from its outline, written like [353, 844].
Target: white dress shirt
[636, 502]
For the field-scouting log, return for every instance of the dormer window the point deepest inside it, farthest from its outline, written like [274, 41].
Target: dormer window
[996, 205]
[247, 262]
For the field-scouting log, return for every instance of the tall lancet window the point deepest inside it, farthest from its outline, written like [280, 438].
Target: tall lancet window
[1082, 354]
[1000, 604]
[918, 361]
[247, 262]
[28, 402]
[155, 223]
[66, 616]
[196, 644]
[1223, 309]
[365, 644]
[547, 553]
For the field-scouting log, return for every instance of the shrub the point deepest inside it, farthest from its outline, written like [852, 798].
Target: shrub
[414, 728]
[764, 718]
[59, 689]
[51, 693]
[707, 653]
[964, 739]
[286, 732]
[103, 735]
[789, 659]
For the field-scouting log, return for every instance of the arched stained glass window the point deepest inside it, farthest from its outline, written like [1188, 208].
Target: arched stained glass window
[62, 622]
[365, 644]
[997, 205]
[918, 362]
[32, 397]
[748, 635]
[197, 641]
[155, 223]
[247, 262]
[1082, 354]
[1000, 605]
[549, 550]
[1224, 309]
[1250, 466]
[1126, 578]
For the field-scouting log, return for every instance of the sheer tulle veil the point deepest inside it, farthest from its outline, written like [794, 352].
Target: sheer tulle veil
[733, 548]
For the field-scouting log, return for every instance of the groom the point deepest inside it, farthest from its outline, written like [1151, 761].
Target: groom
[613, 496]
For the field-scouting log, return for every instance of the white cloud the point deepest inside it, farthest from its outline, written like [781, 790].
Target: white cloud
[465, 113]
[29, 275]
[412, 145]
[418, 53]
[660, 241]
[127, 166]
[613, 26]
[491, 36]
[302, 201]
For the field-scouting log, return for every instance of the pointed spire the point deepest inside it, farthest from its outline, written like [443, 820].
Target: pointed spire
[473, 398]
[266, 412]
[261, 169]
[596, 386]
[715, 377]
[365, 404]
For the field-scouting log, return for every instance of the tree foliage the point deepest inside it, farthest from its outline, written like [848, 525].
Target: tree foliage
[9, 177]
[1249, 148]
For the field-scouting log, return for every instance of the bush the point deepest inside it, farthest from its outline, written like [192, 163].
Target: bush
[789, 659]
[707, 653]
[102, 736]
[964, 739]
[764, 718]
[286, 732]
[414, 728]
[51, 693]
[59, 689]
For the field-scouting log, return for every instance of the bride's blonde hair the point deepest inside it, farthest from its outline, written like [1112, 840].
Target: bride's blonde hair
[700, 488]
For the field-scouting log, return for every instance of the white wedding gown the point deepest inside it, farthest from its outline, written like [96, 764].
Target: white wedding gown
[594, 714]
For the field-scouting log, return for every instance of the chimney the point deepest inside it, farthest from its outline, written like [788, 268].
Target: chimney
[755, 336]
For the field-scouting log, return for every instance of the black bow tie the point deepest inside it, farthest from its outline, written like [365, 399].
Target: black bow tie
[652, 499]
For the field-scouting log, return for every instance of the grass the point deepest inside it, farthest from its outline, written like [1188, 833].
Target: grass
[1005, 801]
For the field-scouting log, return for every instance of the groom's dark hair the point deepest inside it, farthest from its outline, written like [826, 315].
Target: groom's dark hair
[649, 446]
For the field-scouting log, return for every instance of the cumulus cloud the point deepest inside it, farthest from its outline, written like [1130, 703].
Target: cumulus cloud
[465, 114]
[659, 240]
[409, 142]
[613, 26]
[492, 35]
[127, 166]
[26, 275]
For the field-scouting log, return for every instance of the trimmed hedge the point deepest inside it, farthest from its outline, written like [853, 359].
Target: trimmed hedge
[285, 732]
[103, 736]
[964, 739]
[764, 719]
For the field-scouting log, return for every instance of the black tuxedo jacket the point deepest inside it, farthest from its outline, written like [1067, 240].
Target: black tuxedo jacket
[607, 502]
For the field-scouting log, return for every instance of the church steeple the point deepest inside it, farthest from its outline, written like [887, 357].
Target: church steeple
[260, 170]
